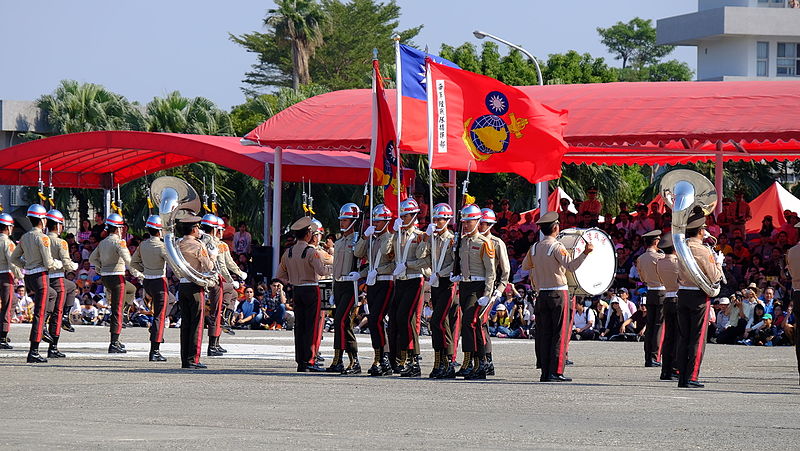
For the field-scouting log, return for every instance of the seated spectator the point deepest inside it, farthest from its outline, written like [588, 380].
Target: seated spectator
[754, 325]
[274, 306]
[142, 313]
[722, 319]
[638, 321]
[584, 321]
[768, 300]
[89, 314]
[625, 302]
[615, 320]
[361, 315]
[766, 334]
[23, 306]
[248, 312]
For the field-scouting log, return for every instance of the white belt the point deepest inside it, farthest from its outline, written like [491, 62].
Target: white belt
[103, 274]
[153, 277]
[55, 275]
[35, 270]
[306, 285]
[671, 294]
[409, 276]
[681, 287]
[344, 279]
[384, 278]
[661, 288]
[474, 279]
[561, 288]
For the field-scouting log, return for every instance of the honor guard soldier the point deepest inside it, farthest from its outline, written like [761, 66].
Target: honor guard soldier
[475, 287]
[33, 254]
[209, 225]
[345, 292]
[793, 265]
[646, 265]
[192, 296]
[8, 273]
[377, 247]
[693, 304]
[150, 258]
[60, 287]
[667, 269]
[445, 308]
[301, 266]
[228, 269]
[502, 274]
[110, 259]
[411, 267]
[548, 261]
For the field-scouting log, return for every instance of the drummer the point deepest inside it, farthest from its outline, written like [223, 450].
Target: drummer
[548, 262]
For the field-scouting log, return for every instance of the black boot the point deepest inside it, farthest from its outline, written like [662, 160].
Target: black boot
[53, 352]
[489, 364]
[448, 368]
[155, 353]
[66, 324]
[412, 369]
[33, 354]
[115, 347]
[387, 368]
[220, 348]
[376, 369]
[46, 337]
[466, 367]
[212, 348]
[478, 371]
[437, 365]
[355, 366]
[336, 365]
[4, 343]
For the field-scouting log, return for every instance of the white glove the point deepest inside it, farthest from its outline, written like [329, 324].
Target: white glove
[213, 252]
[243, 275]
[235, 285]
[372, 277]
[370, 230]
[399, 269]
[355, 275]
[483, 301]
[434, 280]
[398, 223]
[720, 257]
[455, 279]
[58, 265]
[496, 295]
[429, 230]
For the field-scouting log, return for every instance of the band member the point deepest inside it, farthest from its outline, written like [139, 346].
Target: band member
[228, 268]
[191, 296]
[209, 225]
[667, 269]
[411, 267]
[150, 258]
[646, 265]
[60, 287]
[377, 247]
[793, 265]
[502, 272]
[8, 273]
[301, 266]
[33, 254]
[548, 261]
[445, 307]
[475, 287]
[693, 304]
[110, 259]
[345, 291]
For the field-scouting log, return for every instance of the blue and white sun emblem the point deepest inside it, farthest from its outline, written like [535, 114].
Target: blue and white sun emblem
[497, 103]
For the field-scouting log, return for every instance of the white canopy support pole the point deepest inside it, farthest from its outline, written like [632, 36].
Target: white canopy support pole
[267, 206]
[106, 202]
[452, 190]
[718, 170]
[544, 193]
[277, 188]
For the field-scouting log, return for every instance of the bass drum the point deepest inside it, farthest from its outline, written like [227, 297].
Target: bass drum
[596, 273]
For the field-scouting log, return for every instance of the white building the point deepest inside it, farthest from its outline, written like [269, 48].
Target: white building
[739, 39]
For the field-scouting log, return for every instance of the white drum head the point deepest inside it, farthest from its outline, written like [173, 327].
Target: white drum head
[596, 273]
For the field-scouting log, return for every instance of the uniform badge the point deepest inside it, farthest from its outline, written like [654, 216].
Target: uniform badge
[563, 252]
[64, 245]
[203, 252]
[11, 246]
[46, 241]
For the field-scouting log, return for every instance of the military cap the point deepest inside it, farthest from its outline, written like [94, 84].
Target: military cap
[548, 218]
[653, 233]
[189, 218]
[696, 220]
[303, 223]
[666, 241]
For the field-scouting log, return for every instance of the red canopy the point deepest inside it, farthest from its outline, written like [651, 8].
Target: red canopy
[773, 201]
[88, 160]
[614, 123]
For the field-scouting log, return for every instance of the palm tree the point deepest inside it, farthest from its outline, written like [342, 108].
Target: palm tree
[300, 23]
[177, 114]
[82, 107]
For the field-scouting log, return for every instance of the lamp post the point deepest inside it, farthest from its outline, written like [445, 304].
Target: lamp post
[542, 187]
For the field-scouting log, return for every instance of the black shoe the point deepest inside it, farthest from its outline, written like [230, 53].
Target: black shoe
[116, 348]
[54, 353]
[478, 373]
[320, 359]
[302, 368]
[155, 356]
[34, 357]
[464, 370]
[66, 325]
[559, 378]
[212, 352]
[228, 330]
[315, 369]
[5, 345]
[436, 373]
[411, 371]
[337, 368]
[545, 378]
[387, 369]
[665, 377]
[652, 363]
[375, 370]
[449, 371]
[220, 349]
[569, 362]
[490, 368]
[46, 337]
[194, 366]
[690, 384]
[353, 369]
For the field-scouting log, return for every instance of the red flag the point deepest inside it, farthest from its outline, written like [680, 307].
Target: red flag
[496, 126]
[386, 173]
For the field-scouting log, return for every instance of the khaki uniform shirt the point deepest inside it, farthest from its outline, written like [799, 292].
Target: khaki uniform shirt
[477, 259]
[793, 265]
[111, 257]
[443, 242]
[343, 256]
[646, 265]
[59, 249]
[305, 265]
[705, 260]
[667, 270]
[7, 247]
[382, 257]
[151, 258]
[413, 252]
[196, 254]
[33, 251]
[503, 270]
[227, 266]
[548, 262]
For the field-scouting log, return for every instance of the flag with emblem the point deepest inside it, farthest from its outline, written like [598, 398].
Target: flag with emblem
[386, 173]
[474, 118]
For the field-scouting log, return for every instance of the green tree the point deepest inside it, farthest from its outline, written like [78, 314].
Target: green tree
[177, 114]
[572, 67]
[634, 42]
[299, 24]
[83, 107]
[512, 69]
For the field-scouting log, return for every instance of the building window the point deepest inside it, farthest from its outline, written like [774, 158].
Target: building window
[762, 59]
[788, 59]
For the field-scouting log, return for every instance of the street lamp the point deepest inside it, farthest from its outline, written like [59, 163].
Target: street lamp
[543, 188]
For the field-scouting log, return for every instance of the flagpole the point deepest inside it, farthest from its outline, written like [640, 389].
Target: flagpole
[398, 81]
[429, 91]
[373, 147]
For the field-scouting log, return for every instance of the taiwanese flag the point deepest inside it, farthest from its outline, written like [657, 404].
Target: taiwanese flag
[414, 132]
[495, 126]
[385, 170]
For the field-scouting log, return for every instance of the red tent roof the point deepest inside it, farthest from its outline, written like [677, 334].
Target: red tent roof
[88, 160]
[616, 123]
[773, 201]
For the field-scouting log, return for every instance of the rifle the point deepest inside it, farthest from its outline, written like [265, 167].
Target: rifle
[358, 227]
[466, 199]
[52, 192]
[40, 184]
[305, 196]
[310, 200]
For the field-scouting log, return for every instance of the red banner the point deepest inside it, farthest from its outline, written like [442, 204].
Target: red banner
[386, 164]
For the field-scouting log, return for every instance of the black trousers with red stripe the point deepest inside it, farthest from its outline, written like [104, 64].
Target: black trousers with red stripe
[38, 286]
[379, 299]
[655, 321]
[344, 298]
[6, 301]
[114, 287]
[552, 311]
[215, 310]
[157, 290]
[796, 310]
[307, 328]
[408, 297]
[61, 289]
[670, 331]
[444, 311]
[472, 336]
[692, 328]
[192, 299]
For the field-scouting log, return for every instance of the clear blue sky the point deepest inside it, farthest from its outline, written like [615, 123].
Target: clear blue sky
[142, 49]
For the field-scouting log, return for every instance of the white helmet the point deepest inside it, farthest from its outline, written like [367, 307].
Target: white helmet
[6, 220]
[470, 212]
[115, 220]
[154, 222]
[488, 216]
[349, 211]
[407, 207]
[210, 220]
[55, 216]
[36, 211]
[381, 213]
[442, 211]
